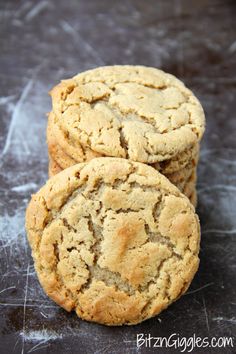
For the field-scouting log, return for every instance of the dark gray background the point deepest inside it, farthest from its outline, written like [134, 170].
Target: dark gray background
[42, 42]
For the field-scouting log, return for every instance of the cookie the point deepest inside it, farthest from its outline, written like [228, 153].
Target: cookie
[113, 240]
[133, 112]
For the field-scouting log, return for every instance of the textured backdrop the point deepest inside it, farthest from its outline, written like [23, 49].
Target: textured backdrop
[42, 42]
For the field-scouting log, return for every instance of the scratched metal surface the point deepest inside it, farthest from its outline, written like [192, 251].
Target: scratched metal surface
[44, 41]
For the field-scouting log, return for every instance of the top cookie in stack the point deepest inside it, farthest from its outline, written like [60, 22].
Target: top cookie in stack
[135, 112]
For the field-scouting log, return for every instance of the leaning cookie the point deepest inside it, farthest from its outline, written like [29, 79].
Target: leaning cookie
[113, 240]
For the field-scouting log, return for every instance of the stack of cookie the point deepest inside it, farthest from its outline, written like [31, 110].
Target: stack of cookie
[133, 112]
[112, 238]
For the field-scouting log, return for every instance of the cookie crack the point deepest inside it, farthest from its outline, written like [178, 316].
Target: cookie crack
[156, 237]
[153, 281]
[123, 142]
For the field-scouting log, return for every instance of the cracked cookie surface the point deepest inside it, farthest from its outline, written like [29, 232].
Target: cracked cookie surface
[133, 112]
[113, 240]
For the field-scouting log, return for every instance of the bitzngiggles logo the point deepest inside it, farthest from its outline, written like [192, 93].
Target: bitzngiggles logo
[183, 344]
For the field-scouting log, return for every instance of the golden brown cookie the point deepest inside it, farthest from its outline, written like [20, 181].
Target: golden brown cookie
[134, 112]
[113, 240]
